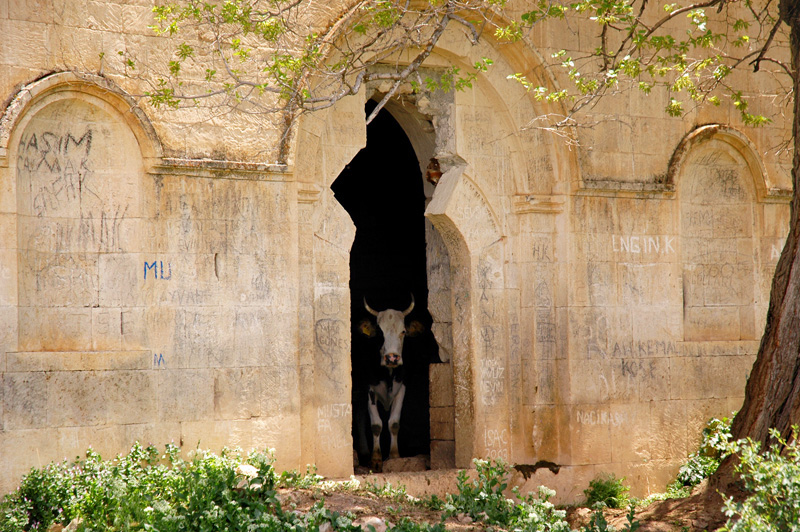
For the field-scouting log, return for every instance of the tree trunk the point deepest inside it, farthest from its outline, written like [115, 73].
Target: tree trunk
[772, 396]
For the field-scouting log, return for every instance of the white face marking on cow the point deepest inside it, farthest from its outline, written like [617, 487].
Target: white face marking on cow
[393, 327]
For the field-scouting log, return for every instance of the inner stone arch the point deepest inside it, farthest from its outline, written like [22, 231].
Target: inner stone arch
[465, 221]
[717, 228]
[79, 175]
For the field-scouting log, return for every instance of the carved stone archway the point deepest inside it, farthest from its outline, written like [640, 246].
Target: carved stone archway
[471, 231]
[500, 180]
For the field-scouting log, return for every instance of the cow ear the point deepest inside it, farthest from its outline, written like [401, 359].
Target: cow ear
[367, 328]
[415, 328]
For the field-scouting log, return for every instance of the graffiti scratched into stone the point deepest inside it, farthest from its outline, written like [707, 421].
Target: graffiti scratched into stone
[599, 417]
[660, 244]
[487, 336]
[719, 183]
[545, 328]
[541, 295]
[540, 250]
[58, 166]
[329, 304]
[496, 443]
[328, 414]
[330, 336]
[492, 381]
[332, 425]
[68, 279]
[515, 340]
[639, 369]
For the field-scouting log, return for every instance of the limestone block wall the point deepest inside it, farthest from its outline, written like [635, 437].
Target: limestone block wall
[162, 280]
[143, 299]
[665, 295]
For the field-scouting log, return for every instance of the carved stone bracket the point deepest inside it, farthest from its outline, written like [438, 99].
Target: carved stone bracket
[308, 193]
[777, 195]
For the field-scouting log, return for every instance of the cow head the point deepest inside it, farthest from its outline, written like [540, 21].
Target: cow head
[393, 327]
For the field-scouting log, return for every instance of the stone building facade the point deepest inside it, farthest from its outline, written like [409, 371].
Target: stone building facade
[162, 279]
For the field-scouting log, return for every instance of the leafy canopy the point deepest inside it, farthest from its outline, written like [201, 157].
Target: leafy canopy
[285, 57]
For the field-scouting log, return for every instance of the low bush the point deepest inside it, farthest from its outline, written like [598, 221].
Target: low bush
[773, 480]
[608, 490]
[161, 492]
[146, 490]
[714, 447]
[598, 522]
[484, 500]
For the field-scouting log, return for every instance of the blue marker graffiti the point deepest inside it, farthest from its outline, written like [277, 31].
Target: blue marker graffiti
[154, 268]
[158, 360]
[162, 271]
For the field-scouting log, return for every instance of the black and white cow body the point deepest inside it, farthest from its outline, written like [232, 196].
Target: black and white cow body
[386, 374]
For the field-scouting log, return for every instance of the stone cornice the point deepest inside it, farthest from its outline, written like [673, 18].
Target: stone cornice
[221, 169]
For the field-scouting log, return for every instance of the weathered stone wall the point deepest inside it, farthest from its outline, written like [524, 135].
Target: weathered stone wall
[148, 301]
[161, 280]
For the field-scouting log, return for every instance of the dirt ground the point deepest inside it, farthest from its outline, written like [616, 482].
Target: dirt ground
[364, 505]
[694, 514]
[699, 512]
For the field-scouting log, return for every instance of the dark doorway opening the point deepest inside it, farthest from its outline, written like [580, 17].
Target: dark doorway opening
[382, 191]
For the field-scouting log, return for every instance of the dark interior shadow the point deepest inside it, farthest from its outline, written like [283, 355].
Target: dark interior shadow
[382, 191]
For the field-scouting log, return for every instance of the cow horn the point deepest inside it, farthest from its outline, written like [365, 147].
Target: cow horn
[407, 311]
[369, 309]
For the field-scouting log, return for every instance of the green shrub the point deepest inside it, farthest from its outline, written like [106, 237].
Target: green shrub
[598, 523]
[701, 464]
[714, 447]
[483, 499]
[773, 480]
[608, 490]
[149, 491]
[145, 490]
[407, 525]
[293, 479]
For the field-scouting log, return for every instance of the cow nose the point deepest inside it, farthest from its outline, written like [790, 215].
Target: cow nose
[392, 359]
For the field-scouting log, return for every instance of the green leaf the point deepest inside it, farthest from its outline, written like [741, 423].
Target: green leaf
[674, 108]
[185, 51]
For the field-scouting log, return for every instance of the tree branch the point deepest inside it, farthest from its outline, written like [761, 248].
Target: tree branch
[474, 36]
[756, 62]
[413, 66]
[664, 20]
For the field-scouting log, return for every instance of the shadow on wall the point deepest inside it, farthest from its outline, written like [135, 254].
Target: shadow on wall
[382, 191]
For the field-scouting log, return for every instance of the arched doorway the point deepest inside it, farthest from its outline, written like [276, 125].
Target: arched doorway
[382, 191]
[496, 189]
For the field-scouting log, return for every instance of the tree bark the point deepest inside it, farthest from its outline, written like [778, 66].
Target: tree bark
[772, 395]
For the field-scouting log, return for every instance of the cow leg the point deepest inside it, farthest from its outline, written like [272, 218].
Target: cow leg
[377, 425]
[394, 417]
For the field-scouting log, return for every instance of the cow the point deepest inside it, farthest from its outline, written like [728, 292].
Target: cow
[386, 385]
